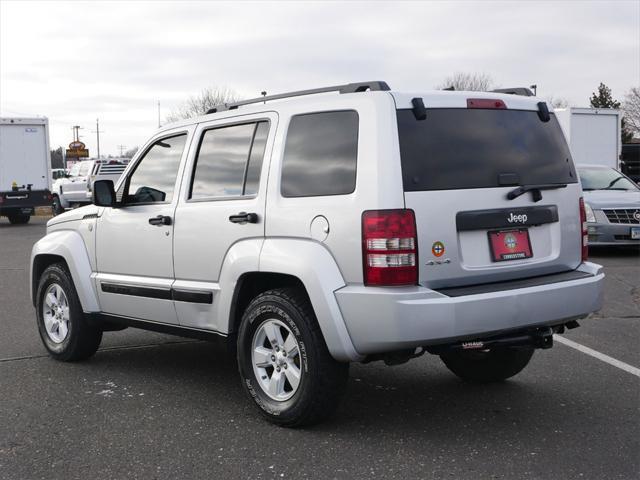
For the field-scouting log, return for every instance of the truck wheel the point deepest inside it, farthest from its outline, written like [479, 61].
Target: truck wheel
[63, 329]
[56, 206]
[284, 363]
[19, 219]
[488, 366]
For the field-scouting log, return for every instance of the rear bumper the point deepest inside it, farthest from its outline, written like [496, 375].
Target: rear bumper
[23, 201]
[388, 319]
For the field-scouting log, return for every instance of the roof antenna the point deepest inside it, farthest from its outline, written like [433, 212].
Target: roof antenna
[264, 94]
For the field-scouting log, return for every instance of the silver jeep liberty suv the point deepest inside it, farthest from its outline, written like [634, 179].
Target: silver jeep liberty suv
[322, 227]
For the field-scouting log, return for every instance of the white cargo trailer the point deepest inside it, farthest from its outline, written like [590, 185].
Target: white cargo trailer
[25, 178]
[593, 135]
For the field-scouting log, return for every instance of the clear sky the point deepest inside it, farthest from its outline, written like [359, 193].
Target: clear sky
[77, 61]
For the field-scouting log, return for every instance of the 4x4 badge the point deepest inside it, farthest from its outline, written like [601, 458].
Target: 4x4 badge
[437, 249]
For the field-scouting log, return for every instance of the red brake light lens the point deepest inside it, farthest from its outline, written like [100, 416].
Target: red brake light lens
[486, 103]
[585, 231]
[389, 247]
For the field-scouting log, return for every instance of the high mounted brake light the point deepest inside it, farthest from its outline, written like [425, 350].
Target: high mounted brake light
[389, 247]
[486, 103]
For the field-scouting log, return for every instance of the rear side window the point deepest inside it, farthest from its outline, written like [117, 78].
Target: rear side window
[229, 161]
[320, 154]
[471, 148]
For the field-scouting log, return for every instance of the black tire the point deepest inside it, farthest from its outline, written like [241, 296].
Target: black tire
[56, 206]
[487, 367]
[82, 340]
[322, 381]
[19, 219]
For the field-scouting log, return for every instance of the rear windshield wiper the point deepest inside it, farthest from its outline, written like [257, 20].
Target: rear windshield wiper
[536, 190]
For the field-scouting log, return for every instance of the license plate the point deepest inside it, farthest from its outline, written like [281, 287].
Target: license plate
[635, 233]
[510, 245]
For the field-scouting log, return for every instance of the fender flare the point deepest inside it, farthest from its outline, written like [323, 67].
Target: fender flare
[311, 262]
[69, 245]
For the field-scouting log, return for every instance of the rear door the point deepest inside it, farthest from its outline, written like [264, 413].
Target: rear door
[23, 156]
[222, 203]
[459, 166]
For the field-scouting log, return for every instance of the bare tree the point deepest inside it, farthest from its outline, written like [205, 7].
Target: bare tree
[131, 152]
[557, 102]
[631, 110]
[199, 104]
[480, 82]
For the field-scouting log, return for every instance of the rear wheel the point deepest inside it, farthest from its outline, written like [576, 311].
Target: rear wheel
[63, 328]
[19, 218]
[488, 366]
[284, 362]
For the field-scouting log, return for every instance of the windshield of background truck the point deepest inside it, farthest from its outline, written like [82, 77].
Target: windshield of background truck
[460, 148]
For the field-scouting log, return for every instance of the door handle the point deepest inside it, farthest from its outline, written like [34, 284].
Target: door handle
[244, 217]
[160, 220]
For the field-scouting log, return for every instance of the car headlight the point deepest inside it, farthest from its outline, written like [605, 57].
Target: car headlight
[591, 218]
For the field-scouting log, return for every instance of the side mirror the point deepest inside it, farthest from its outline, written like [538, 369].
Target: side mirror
[104, 194]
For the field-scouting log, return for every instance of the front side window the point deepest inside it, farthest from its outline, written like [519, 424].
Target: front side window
[84, 169]
[320, 154]
[229, 161]
[154, 178]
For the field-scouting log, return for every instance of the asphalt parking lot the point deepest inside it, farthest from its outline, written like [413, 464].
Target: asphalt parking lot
[153, 406]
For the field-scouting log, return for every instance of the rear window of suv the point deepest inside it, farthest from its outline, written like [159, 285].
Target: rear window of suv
[470, 148]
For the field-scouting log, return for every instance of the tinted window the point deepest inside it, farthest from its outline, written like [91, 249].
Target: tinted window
[226, 157]
[154, 178]
[604, 179]
[255, 159]
[470, 148]
[320, 155]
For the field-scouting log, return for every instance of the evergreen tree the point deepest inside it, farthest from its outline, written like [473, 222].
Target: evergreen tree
[603, 98]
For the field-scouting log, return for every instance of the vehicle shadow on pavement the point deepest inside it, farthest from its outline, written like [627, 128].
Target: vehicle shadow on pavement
[421, 396]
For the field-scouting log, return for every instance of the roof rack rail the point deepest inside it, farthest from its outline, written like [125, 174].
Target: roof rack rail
[358, 87]
[524, 91]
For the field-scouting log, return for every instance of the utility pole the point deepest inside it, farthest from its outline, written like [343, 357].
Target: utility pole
[76, 132]
[159, 114]
[97, 132]
[121, 147]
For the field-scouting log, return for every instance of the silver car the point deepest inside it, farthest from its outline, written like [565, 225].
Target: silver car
[612, 204]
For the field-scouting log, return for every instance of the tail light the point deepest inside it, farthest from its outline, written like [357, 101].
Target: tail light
[585, 232]
[1, 199]
[389, 247]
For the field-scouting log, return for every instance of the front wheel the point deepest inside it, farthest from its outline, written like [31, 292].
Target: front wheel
[56, 206]
[284, 362]
[488, 366]
[61, 323]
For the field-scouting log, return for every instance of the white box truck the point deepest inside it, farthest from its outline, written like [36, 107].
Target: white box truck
[25, 172]
[593, 135]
